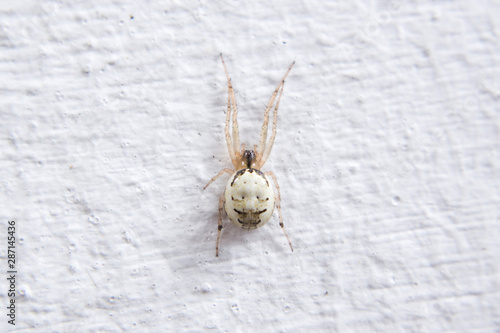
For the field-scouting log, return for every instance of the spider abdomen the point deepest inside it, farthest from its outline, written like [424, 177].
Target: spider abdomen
[249, 199]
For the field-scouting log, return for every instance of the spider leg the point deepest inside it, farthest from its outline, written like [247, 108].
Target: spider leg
[278, 205]
[219, 229]
[269, 144]
[229, 141]
[263, 132]
[229, 171]
[231, 103]
[264, 149]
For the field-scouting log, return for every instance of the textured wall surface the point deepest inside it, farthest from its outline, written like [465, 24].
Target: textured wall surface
[387, 153]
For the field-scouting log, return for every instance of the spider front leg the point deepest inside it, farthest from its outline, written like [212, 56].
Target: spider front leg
[219, 229]
[264, 148]
[278, 205]
[233, 143]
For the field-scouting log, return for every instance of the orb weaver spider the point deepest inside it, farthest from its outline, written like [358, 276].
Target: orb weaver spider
[249, 198]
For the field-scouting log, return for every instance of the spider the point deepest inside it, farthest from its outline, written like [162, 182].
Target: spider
[249, 198]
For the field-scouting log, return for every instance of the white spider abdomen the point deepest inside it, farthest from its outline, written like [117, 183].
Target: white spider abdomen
[249, 199]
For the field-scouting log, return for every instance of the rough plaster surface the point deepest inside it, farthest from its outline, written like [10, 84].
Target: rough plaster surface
[387, 155]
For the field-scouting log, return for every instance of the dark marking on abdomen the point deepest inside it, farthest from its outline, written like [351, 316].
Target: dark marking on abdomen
[242, 171]
[239, 173]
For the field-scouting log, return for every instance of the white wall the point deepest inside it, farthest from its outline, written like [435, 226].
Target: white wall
[387, 154]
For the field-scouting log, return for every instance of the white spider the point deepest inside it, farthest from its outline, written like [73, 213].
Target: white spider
[249, 197]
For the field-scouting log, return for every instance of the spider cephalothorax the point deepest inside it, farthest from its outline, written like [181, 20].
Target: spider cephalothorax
[249, 158]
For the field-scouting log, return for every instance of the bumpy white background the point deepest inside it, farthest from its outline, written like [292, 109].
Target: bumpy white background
[387, 154]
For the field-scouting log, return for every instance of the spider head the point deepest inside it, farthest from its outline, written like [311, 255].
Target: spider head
[248, 159]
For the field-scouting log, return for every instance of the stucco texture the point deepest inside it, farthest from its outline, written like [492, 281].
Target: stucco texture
[387, 155]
